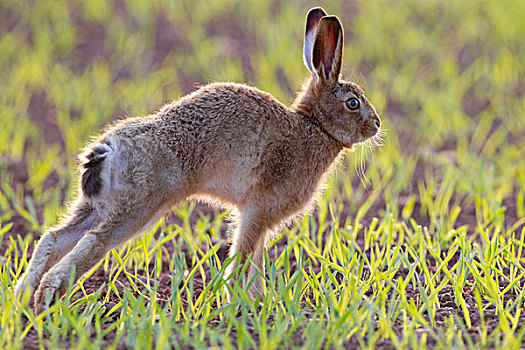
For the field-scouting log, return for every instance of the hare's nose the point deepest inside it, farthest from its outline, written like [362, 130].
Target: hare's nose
[378, 123]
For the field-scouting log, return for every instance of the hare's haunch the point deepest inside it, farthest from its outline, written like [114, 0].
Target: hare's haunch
[226, 143]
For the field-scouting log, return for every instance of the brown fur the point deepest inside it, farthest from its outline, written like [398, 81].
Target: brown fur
[226, 143]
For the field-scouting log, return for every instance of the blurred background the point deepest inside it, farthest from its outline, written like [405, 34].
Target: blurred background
[448, 78]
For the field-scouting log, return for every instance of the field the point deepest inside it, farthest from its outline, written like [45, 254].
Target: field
[419, 243]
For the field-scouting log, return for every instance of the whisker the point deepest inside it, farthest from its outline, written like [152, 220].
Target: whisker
[362, 152]
[364, 180]
[356, 162]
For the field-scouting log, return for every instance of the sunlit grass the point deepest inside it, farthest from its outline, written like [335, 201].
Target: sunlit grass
[438, 209]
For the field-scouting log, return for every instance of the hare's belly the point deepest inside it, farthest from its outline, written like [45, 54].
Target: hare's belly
[228, 184]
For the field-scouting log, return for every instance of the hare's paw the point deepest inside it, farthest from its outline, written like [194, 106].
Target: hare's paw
[53, 284]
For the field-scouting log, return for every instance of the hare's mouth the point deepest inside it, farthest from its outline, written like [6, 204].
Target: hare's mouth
[372, 135]
[371, 127]
[376, 140]
[369, 132]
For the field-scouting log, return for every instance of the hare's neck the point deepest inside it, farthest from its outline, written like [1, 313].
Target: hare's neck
[315, 124]
[308, 112]
[322, 150]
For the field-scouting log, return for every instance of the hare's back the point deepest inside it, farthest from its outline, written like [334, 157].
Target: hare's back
[226, 121]
[232, 105]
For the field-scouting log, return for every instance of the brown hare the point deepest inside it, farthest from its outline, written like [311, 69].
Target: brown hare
[225, 143]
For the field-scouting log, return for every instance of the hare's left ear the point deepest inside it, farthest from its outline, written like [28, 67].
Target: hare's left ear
[312, 21]
[327, 54]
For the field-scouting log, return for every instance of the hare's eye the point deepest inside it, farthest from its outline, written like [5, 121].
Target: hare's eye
[352, 104]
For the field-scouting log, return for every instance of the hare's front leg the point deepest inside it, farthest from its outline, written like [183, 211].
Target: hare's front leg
[56, 243]
[249, 238]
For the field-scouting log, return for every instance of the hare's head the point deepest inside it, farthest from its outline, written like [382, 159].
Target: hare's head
[339, 107]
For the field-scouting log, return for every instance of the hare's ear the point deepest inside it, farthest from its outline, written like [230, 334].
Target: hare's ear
[312, 21]
[327, 54]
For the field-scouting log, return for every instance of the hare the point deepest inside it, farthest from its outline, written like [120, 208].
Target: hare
[225, 143]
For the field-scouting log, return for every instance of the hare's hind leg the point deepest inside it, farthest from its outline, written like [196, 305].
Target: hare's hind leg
[113, 230]
[86, 253]
[56, 243]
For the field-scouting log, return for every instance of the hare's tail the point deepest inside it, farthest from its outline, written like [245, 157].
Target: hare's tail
[92, 166]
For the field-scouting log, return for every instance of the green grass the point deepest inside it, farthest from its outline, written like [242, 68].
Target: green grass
[438, 209]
